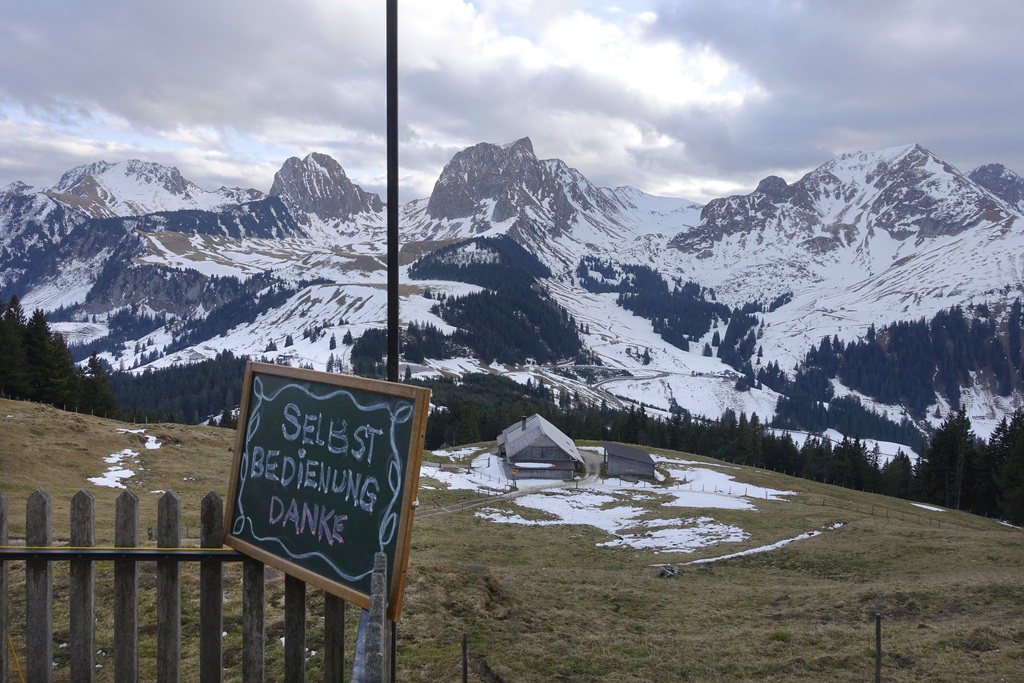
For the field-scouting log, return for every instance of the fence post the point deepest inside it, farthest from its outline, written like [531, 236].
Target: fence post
[4, 630]
[211, 592]
[168, 591]
[126, 591]
[465, 658]
[294, 629]
[377, 631]
[878, 647]
[334, 639]
[253, 621]
[83, 589]
[38, 591]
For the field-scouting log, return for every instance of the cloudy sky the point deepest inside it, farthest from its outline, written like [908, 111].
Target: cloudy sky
[687, 98]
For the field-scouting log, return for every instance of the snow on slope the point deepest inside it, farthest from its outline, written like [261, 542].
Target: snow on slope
[842, 239]
[135, 188]
[361, 306]
[611, 504]
[69, 286]
[702, 385]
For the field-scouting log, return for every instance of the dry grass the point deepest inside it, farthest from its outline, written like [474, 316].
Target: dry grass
[547, 604]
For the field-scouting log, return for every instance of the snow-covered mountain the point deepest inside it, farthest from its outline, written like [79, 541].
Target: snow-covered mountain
[1002, 182]
[548, 207]
[867, 238]
[136, 188]
[322, 198]
[857, 218]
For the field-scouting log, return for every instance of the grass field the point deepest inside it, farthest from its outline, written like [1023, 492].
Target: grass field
[546, 603]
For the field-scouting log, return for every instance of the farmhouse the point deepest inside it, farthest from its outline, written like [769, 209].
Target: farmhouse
[626, 461]
[538, 450]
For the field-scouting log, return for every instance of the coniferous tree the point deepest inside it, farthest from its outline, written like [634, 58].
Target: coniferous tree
[53, 377]
[97, 398]
[1006, 450]
[942, 468]
[227, 419]
[897, 476]
[14, 375]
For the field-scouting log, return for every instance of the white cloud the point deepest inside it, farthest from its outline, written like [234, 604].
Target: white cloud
[667, 96]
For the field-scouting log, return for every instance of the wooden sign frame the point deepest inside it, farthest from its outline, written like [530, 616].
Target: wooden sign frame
[297, 417]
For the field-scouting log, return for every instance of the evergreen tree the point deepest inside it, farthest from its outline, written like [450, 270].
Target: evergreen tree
[944, 464]
[14, 375]
[897, 476]
[227, 419]
[53, 377]
[1006, 450]
[97, 398]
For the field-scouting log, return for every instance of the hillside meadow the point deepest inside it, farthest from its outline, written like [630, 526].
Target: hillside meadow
[547, 603]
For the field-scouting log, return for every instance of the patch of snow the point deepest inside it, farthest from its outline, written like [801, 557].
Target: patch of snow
[118, 470]
[611, 504]
[151, 442]
[763, 548]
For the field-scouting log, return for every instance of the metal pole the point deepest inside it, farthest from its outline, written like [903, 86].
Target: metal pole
[392, 144]
[878, 647]
[392, 193]
[465, 659]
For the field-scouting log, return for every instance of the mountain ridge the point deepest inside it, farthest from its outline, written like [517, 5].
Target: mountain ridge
[864, 239]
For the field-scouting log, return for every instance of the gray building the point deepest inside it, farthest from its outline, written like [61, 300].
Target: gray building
[626, 461]
[538, 450]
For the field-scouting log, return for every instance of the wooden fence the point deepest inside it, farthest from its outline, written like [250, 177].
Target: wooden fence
[39, 553]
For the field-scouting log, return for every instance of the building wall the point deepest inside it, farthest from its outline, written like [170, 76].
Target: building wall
[541, 452]
[544, 473]
[624, 467]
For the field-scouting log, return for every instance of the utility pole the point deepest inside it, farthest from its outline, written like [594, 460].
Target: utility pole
[392, 192]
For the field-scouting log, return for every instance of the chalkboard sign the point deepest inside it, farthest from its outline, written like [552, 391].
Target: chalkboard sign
[326, 469]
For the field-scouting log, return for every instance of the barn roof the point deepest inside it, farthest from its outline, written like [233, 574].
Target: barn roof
[628, 452]
[533, 429]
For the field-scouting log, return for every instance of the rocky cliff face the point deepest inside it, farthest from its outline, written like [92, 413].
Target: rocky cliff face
[317, 185]
[544, 205]
[1002, 182]
[905, 192]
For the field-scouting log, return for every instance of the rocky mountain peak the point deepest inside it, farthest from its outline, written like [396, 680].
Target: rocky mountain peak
[81, 181]
[490, 184]
[775, 188]
[1002, 182]
[317, 184]
[17, 187]
[485, 172]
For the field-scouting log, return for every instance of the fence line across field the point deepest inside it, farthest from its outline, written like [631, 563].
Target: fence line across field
[39, 553]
